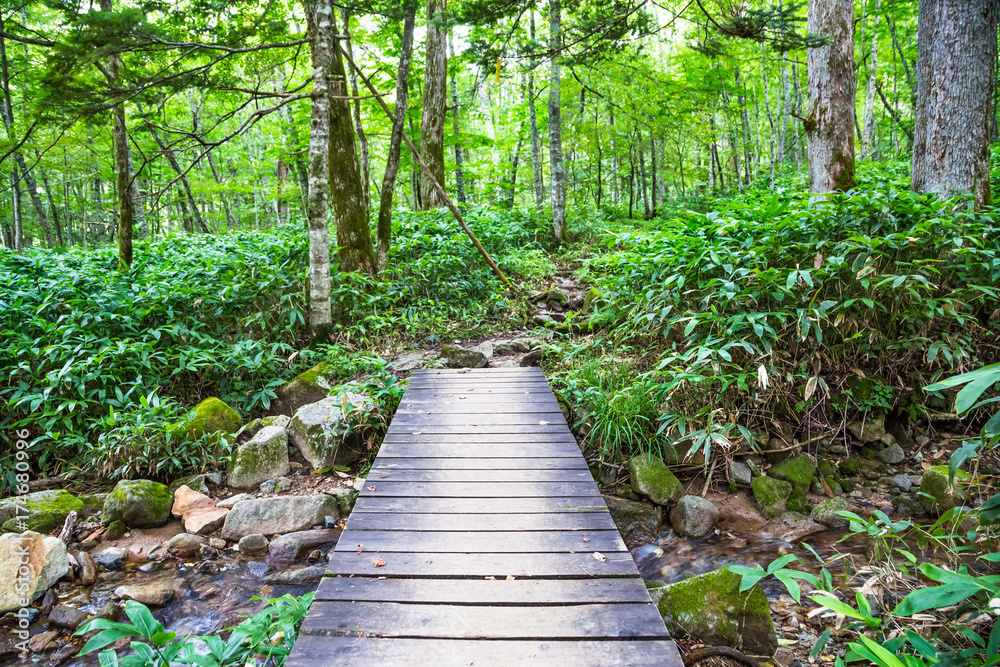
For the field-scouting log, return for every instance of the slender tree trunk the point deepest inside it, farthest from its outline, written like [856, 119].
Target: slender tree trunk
[185, 185]
[745, 124]
[557, 174]
[515, 160]
[52, 204]
[956, 43]
[196, 124]
[655, 180]
[434, 103]
[536, 144]
[8, 121]
[384, 231]
[459, 174]
[830, 125]
[347, 197]
[868, 133]
[356, 108]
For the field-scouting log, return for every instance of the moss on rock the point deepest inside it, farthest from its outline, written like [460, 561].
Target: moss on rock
[305, 388]
[650, 477]
[211, 416]
[771, 495]
[138, 503]
[42, 512]
[937, 495]
[798, 471]
[711, 609]
[264, 457]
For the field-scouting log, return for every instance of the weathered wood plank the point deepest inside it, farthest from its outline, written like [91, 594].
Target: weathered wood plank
[387, 487]
[360, 521]
[483, 463]
[376, 503]
[447, 542]
[389, 619]
[518, 439]
[481, 406]
[446, 419]
[573, 566]
[489, 475]
[489, 450]
[311, 651]
[482, 591]
[474, 428]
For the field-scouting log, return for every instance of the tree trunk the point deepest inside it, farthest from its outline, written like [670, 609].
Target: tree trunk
[52, 203]
[434, 103]
[384, 231]
[185, 186]
[347, 197]
[557, 174]
[459, 175]
[536, 144]
[956, 43]
[868, 132]
[356, 108]
[196, 124]
[830, 125]
[515, 161]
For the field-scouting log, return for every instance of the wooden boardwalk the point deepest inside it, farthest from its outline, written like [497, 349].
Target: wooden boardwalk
[480, 538]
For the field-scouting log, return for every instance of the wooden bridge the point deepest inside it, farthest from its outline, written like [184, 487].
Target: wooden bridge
[480, 538]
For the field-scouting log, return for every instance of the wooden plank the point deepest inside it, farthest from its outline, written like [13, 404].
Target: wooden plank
[311, 651]
[472, 428]
[451, 391]
[489, 451]
[481, 591]
[360, 521]
[478, 565]
[389, 619]
[483, 463]
[387, 487]
[451, 542]
[376, 503]
[460, 419]
[488, 406]
[520, 439]
[489, 475]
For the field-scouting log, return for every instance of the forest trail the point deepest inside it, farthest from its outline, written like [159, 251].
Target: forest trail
[480, 535]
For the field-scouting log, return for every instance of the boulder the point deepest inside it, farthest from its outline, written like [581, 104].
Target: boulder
[138, 503]
[739, 473]
[792, 526]
[252, 545]
[277, 516]
[638, 523]
[532, 358]
[937, 495]
[42, 511]
[205, 521]
[154, 594]
[319, 429]
[185, 545]
[459, 357]
[771, 495]
[263, 457]
[68, 618]
[295, 545]
[210, 417]
[198, 483]
[693, 516]
[228, 503]
[891, 455]
[346, 497]
[408, 362]
[869, 429]
[711, 609]
[187, 500]
[826, 512]
[47, 562]
[650, 477]
[797, 471]
[307, 387]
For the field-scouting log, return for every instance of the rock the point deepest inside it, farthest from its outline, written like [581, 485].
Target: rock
[868, 430]
[838, 448]
[67, 618]
[771, 495]
[62, 655]
[711, 609]
[739, 473]
[268, 487]
[694, 517]
[277, 516]
[826, 512]
[307, 387]
[358, 483]
[891, 455]
[408, 362]
[532, 358]
[460, 357]
[185, 545]
[650, 477]
[792, 527]
[110, 559]
[138, 503]
[937, 495]
[152, 595]
[207, 552]
[319, 429]
[253, 545]
[903, 481]
[211, 417]
[303, 575]
[46, 563]
[198, 483]
[88, 568]
[41, 512]
[187, 500]
[798, 471]
[40, 643]
[228, 503]
[263, 457]
[205, 521]
[638, 522]
[293, 545]
[345, 499]
[115, 530]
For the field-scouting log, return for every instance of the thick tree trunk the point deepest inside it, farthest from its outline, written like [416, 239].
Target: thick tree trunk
[868, 131]
[459, 173]
[830, 124]
[536, 144]
[434, 103]
[356, 109]
[347, 197]
[319, 20]
[384, 231]
[557, 174]
[956, 42]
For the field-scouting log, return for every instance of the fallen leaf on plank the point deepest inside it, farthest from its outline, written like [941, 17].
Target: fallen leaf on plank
[599, 556]
[371, 488]
[379, 563]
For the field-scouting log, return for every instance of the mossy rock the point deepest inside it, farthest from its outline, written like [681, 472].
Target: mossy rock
[868, 453]
[771, 495]
[346, 498]
[711, 609]
[264, 457]
[211, 417]
[825, 468]
[651, 478]
[43, 512]
[849, 467]
[638, 522]
[93, 504]
[592, 299]
[798, 471]
[138, 503]
[198, 482]
[305, 388]
[937, 495]
[115, 530]
[797, 501]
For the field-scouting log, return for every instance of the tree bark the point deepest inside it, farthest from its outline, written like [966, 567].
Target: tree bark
[536, 144]
[196, 124]
[830, 124]
[956, 43]
[356, 109]
[459, 172]
[384, 231]
[557, 174]
[434, 103]
[868, 131]
[52, 203]
[185, 185]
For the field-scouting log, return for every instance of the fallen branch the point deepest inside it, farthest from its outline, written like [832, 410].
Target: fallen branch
[68, 528]
[697, 656]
